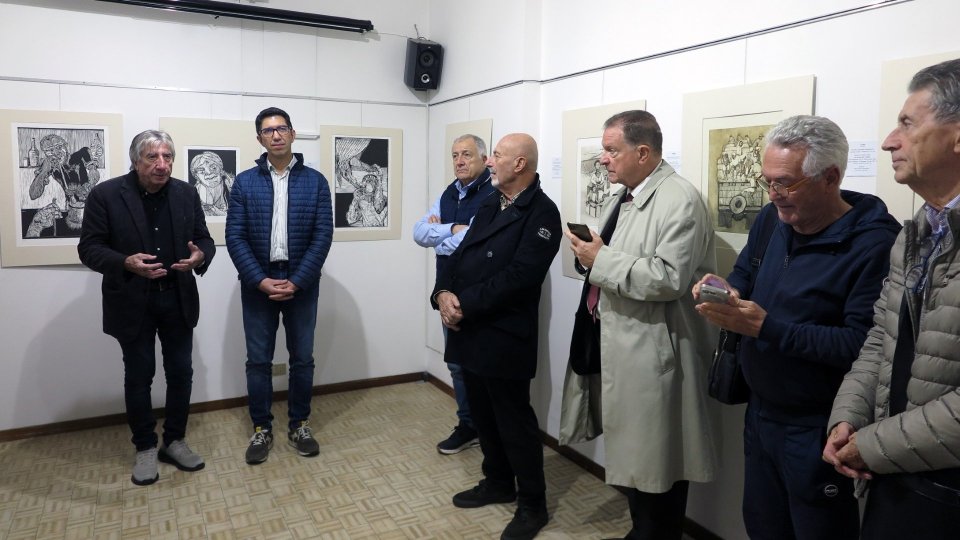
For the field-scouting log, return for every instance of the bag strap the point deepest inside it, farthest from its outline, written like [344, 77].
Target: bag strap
[767, 225]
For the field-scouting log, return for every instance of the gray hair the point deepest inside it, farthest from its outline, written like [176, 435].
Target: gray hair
[822, 138]
[148, 139]
[943, 83]
[481, 146]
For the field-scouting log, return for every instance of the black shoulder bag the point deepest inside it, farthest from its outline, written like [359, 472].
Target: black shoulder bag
[725, 381]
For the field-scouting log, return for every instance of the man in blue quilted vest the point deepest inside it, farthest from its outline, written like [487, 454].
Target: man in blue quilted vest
[279, 230]
[442, 228]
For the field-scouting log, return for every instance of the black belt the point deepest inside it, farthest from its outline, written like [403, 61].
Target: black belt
[278, 265]
[163, 284]
[928, 488]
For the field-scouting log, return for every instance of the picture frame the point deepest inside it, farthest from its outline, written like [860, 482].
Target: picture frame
[738, 109]
[212, 142]
[364, 167]
[582, 129]
[55, 158]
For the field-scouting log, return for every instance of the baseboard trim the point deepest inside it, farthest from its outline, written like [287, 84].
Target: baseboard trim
[206, 406]
[691, 528]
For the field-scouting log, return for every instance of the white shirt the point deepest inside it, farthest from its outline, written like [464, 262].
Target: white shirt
[278, 233]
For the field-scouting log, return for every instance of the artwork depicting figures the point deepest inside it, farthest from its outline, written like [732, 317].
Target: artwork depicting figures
[592, 185]
[57, 166]
[361, 183]
[211, 171]
[734, 166]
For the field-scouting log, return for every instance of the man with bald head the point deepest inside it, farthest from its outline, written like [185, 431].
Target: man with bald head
[488, 294]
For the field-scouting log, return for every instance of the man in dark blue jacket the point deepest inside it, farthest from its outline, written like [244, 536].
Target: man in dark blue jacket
[443, 228]
[279, 230]
[809, 311]
[489, 298]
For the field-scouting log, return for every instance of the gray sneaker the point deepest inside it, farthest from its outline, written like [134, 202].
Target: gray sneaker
[260, 445]
[181, 456]
[302, 439]
[145, 468]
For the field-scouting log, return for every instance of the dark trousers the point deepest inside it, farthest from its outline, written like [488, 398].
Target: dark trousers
[509, 436]
[895, 512]
[789, 492]
[657, 516]
[163, 318]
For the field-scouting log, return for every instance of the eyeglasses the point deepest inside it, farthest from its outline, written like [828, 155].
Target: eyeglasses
[780, 189]
[916, 279]
[282, 130]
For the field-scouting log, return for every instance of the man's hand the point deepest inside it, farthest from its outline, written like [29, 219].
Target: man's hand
[851, 462]
[840, 437]
[278, 290]
[585, 252]
[455, 229]
[450, 312]
[188, 264]
[141, 265]
[433, 219]
[741, 316]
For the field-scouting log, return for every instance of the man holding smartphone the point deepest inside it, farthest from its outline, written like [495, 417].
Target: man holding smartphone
[807, 316]
[655, 243]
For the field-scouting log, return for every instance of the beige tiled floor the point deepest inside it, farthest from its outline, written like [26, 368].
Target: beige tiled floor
[378, 475]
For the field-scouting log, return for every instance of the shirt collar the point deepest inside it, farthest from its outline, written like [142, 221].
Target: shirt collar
[293, 161]
[938, 220]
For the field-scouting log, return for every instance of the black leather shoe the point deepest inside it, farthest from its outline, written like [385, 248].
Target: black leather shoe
[481, 495]
[526, 523]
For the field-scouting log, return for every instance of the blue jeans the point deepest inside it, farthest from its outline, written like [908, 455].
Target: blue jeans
[459, 390]
[163, 318]
[261, 319]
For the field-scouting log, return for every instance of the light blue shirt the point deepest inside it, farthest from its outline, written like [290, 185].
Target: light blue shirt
[440, 236]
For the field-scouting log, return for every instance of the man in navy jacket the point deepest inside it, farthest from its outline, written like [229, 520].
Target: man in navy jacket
[443, 228]
[489, 297]
[279, 230]
[807, 316]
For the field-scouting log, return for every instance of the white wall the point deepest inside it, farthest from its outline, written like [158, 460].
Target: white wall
[145, 64]
[844, 53]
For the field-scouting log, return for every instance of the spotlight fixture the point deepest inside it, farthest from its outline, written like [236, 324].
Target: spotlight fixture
[254, 13]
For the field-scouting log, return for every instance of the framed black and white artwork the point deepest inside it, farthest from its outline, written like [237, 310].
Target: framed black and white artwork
[364, 167]
[55, 159]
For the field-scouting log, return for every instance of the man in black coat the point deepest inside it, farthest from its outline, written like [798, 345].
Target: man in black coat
[146, 233]
[488, 295]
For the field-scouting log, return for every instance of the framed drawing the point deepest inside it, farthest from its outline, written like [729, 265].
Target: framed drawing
[895, 75]
[723, 134]
[365, 169]
[54, 160]
[210, 154]
[585, 184]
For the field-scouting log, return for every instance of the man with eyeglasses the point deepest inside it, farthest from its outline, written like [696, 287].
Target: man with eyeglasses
[279, 230]
[896, 417]
[807, 315]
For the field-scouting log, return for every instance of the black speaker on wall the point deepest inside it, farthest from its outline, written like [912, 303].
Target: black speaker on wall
[424, 63]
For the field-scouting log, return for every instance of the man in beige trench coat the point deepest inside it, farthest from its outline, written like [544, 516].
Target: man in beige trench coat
[661, 431]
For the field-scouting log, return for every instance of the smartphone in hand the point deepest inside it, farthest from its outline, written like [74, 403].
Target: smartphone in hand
[581, 231]
[709, 293]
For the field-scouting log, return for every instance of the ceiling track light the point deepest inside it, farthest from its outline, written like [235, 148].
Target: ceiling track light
[254, 13]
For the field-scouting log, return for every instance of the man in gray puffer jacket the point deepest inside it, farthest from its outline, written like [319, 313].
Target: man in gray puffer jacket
[896, 418]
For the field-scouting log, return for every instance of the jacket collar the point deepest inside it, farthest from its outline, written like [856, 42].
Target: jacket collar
[265, 166]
